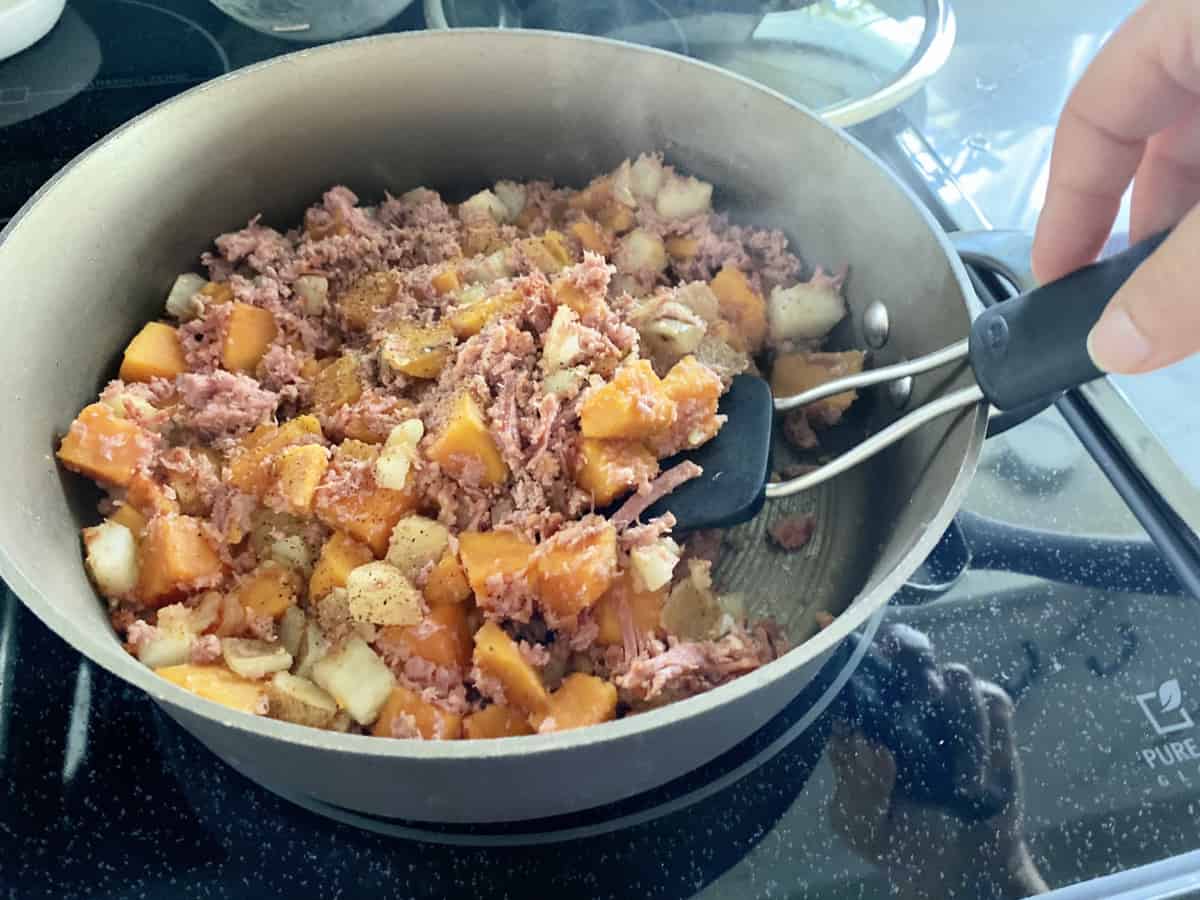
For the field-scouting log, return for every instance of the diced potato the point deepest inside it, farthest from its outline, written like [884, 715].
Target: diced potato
[379, 593]
[682, 198]
[293, 553]
[467, 319]
[482, 271]
[645, 609]
[406, 709]
[700, 299]
[182, 303]
[132, 519]
[153, 353]
[682, 248]
[400, 449]
[496, 721]
[668, 339]
[609, 468]
[806, 311]
[443, 638]
[419, 351]
[252, 468]
[313, 291]
[640, 251]
[111, 558]
[357, 678]
[447, 583]
[298, 471]
[367, 514]
[580, 700]
[546, 253]
[251, 331]
[445, 281]
[269, 591]
[743, 307]
[488, 553]
[561, 345]
[653, 565]
[416, 541]
[291, 629]
[105, 447]
[595, 196]
[692, 611]
[633, 405]
[191, 483]
[254, 659]
[646, 176]
[794, 373]
[168, 647]
[218, 684]
[481, 237]
[497, 655]
[512, 195]
[295, 699]
[217, 292]
[358, 303]
[481, 206]
[313, 647]
[337, 385]
[572, 570]
[465, 449]
[616, 217]
[593, 237]
[565, 381]
[174, 554]
[340, 555]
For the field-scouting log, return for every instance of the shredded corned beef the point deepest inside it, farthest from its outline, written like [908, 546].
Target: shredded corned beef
[203, 338]
[221, 404]
[792, 532]
[204, 650]
[660, 487]
[140, 632]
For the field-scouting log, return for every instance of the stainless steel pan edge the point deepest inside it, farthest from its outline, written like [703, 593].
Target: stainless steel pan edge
[414, 779]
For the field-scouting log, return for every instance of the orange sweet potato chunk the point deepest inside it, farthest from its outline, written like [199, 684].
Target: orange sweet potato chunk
[419, 351]
[104, 447]
[149, 497]
[340, 554]
[609, 468]
[444, 637]
[173, 555]
[431, 722]
[298, 471]
[129, 517]
[468, 319]
[795, 373]
[496, 721]
[252, 469]
[743, 307]
[445, 281]
[496, 654]
[696, 391]
[580, 700]
[593, 237]
[682, 247]
[269, 591]
[574, 568]
[631, 406]
[153, 353]
[349, 500]
[218, 684]
[465, 449]
[645, 609]
[447, 582]
[337, 384]
[488, 553]
[577, 300]
[251, 330]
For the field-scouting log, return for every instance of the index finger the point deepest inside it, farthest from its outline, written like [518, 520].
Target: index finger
[1145, 78]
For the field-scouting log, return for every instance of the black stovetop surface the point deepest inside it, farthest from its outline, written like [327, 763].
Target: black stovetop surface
[1094, 771]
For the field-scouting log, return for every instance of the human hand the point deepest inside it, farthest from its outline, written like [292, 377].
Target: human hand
[1134, 117]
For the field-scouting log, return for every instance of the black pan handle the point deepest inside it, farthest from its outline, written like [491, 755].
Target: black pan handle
[1035, 345]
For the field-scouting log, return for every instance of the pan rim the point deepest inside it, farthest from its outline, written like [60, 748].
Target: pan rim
[109, 655]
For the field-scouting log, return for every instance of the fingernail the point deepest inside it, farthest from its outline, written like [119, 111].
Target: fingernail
[1116, 344]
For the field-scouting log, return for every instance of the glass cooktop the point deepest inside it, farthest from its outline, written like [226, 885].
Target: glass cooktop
[1023, 717]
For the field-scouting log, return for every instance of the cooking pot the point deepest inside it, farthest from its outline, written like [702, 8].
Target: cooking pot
[92, 255]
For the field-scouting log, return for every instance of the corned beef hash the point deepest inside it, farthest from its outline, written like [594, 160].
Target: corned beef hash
[386, 472]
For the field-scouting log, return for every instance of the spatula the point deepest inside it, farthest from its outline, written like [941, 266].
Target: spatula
[1022, 350]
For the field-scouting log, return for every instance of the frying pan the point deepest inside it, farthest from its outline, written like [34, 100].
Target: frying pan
[91, 256]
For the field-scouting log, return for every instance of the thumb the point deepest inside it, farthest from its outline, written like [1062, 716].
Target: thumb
[1154, 320]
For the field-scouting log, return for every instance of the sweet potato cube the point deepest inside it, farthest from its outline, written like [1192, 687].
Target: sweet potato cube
[608, 469]
[339, 556]
[251, 330]
[595, 196]
[682, 248]
[269, 591]
[645, 609]
[348, 498]
[573, 568]
[149, 497]
[443, 638]
[488, 553]
[220, 685]
[616, 217]
[469, 319]
[252, 469]
[358, 303]
[406, 708]
[374, 426]
[593, 237]
[794, 373]
[633, 405]
[298, 471]
[465, 449]
[174, 554]
[495, 721]
[497, 655]
[217, 292]
[104, 447]
[153, 353]
[580, 700]
[419, 351]
[129, 517]
[743, 307]
[577, 300]
[696, 391]
[337, 385]
[447, 583]
[445, 281]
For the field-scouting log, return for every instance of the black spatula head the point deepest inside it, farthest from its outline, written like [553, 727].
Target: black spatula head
[736, 464]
